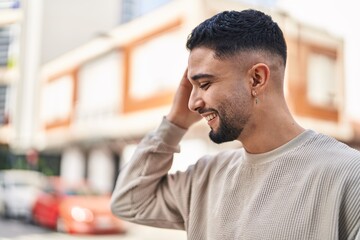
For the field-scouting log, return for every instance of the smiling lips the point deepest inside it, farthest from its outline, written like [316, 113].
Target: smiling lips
[210, 117]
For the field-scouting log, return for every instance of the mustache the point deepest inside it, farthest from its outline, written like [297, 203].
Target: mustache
[205, 110]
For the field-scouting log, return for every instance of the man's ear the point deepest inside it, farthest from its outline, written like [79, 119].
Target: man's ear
[259, 74]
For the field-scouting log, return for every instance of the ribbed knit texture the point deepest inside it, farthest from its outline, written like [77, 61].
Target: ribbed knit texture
[308, 188]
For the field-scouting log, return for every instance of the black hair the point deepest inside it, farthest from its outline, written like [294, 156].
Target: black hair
[231, 32]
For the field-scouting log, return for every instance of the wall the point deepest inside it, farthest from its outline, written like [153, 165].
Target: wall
[68, 24]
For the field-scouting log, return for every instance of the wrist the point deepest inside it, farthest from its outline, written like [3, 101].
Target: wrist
[176, 121]
[170, 133]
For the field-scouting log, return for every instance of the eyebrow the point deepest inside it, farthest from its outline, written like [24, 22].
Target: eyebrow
[199, 76]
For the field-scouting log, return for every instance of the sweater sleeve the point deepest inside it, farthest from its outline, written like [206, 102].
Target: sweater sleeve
[145, 193]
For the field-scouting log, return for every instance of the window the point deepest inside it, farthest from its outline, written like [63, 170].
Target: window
[154, 67]
[9, 46]
[321, 81]
[99, 87]
[314, 81]
[5, 39]
[265, 3]
[4, 99]
[57, 101]
[132, 9]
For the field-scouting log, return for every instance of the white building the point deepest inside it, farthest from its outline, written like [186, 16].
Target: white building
[104, 77]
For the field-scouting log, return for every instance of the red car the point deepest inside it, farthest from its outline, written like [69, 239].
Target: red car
[75, 209]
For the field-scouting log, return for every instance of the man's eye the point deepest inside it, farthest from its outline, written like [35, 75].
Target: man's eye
[204, 85]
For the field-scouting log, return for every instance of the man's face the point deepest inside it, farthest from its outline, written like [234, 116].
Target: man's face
[221, 93]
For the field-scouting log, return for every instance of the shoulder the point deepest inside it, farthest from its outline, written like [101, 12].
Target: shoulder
[335, 149]
[323, 146]
[324, 157]
[335, 157]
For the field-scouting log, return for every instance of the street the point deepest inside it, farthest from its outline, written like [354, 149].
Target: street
[10, 228]
[17, 230]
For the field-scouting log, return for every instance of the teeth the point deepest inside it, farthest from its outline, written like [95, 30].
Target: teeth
[210, 117]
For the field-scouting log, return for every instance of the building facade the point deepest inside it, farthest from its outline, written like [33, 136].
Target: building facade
[95, 102]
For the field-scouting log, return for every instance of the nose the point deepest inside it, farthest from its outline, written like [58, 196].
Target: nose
[195, 101]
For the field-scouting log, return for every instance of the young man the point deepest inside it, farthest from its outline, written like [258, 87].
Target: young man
[285, 183]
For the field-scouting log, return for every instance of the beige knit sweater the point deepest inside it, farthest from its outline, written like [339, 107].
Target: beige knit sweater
[308, 188]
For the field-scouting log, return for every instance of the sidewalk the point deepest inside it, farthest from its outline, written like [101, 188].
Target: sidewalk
[135, 232]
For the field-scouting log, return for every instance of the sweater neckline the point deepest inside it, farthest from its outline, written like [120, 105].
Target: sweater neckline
[260, 158]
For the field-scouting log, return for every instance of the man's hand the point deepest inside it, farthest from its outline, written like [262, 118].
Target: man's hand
[180, 114]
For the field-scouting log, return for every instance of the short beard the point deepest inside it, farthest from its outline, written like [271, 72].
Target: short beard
[225, 133]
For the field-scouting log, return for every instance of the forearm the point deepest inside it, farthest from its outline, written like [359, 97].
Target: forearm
[141, 194]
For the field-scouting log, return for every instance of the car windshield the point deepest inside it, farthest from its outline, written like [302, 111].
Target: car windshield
[21, 178]
[79, 191]
[17, 184]
[60, 187]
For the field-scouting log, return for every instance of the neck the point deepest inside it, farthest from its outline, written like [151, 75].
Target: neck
[269, 130]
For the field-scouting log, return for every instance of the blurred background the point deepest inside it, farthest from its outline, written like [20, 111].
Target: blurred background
[82, 81]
